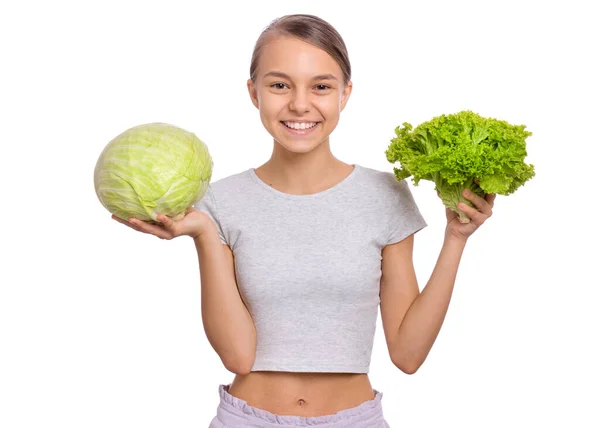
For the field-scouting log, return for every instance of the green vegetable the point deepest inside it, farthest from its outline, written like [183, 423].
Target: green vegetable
[462, 150]
[150, 170]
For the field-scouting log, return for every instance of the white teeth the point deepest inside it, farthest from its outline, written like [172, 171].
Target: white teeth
[303, 125]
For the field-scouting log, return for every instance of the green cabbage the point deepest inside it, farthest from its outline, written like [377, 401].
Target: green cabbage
[462, 150]
[152, 169]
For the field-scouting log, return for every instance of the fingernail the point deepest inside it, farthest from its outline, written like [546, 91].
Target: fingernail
[467, 192]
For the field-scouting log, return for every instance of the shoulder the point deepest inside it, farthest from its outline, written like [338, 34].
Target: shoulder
[230, 183]
[232, 189]
[395, 204]
[388, 195]
[221, 192]
[383, 184]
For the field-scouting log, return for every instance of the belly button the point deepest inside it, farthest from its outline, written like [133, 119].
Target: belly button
[301, 402]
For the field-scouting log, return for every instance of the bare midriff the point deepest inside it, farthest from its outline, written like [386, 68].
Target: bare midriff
[302, 394]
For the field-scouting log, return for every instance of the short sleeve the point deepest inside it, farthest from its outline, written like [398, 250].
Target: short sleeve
[405, 217]
[208, 205]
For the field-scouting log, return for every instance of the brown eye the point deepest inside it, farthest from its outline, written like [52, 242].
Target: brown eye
[322, 87]
[278, 86]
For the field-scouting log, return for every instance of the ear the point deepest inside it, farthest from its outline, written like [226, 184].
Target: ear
[345, 95]
[253, 93]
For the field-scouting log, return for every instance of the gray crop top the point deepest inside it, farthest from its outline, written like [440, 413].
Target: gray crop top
[308, 267]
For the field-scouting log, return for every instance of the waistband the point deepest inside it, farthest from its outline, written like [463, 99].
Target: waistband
[236, 412]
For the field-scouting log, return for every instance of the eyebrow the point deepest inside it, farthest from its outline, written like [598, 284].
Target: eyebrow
[326, 76]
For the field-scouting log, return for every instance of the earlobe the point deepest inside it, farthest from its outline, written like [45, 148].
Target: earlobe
[252, 92]
[346, 94]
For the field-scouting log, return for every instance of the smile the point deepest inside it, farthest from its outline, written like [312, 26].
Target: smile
[300, 125]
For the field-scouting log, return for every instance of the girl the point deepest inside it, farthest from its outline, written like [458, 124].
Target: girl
[297, 255]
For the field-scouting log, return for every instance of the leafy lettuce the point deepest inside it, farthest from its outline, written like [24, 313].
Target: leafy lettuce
[462, 150]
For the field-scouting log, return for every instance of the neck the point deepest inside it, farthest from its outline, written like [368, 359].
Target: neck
[302, 173]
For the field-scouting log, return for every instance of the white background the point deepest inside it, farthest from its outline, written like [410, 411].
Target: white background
[100, 326]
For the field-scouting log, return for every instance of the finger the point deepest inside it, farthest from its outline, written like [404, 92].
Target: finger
[170, 225]
[475, 215]
[166, 221]
[125, 222]
[481, 204]
[114, 217]
[490, 198]
[152, 229]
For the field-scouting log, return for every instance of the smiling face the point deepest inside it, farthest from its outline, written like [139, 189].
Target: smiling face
[300, 93]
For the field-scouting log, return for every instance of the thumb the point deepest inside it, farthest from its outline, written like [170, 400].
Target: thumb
[166, 221]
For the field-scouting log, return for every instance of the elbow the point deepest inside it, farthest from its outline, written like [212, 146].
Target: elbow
[408, 367]
[238, 370]
[241, 370]
[239, 366]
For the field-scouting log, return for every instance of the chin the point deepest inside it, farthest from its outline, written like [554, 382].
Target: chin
[299, 147]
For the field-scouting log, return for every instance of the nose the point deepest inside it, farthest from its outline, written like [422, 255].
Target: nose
[299, 101]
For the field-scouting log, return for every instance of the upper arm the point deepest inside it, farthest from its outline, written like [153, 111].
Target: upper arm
[230, 262]
[399, 287]
[208, 205]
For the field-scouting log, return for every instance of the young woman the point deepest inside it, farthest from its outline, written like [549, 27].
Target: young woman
[297, 255]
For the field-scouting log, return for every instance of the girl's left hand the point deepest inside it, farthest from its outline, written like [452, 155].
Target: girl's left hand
[478, 215]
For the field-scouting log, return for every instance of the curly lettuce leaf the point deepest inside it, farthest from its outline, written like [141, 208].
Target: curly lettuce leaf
[462, 150]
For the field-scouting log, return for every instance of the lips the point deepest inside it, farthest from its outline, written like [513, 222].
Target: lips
[300, 129]
[299, 126]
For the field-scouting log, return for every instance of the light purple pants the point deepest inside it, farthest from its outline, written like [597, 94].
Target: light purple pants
[236, 413]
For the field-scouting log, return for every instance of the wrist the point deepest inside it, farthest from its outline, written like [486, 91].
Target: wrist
[456, 241]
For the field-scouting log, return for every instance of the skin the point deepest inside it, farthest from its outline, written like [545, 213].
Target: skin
[299, 164]
[287, 89]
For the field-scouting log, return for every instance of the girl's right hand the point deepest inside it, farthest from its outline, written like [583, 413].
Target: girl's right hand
[193, 224]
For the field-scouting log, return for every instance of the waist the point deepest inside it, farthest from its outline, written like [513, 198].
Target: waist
[302, 394]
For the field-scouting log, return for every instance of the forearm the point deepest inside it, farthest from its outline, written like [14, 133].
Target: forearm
[423, 320]
[227, 322]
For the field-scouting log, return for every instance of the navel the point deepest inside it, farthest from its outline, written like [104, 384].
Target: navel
[301, 402]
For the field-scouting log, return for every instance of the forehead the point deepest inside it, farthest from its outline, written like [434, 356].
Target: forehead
[296, 58]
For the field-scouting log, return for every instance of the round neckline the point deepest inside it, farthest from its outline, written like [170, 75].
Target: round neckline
[341, 184]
